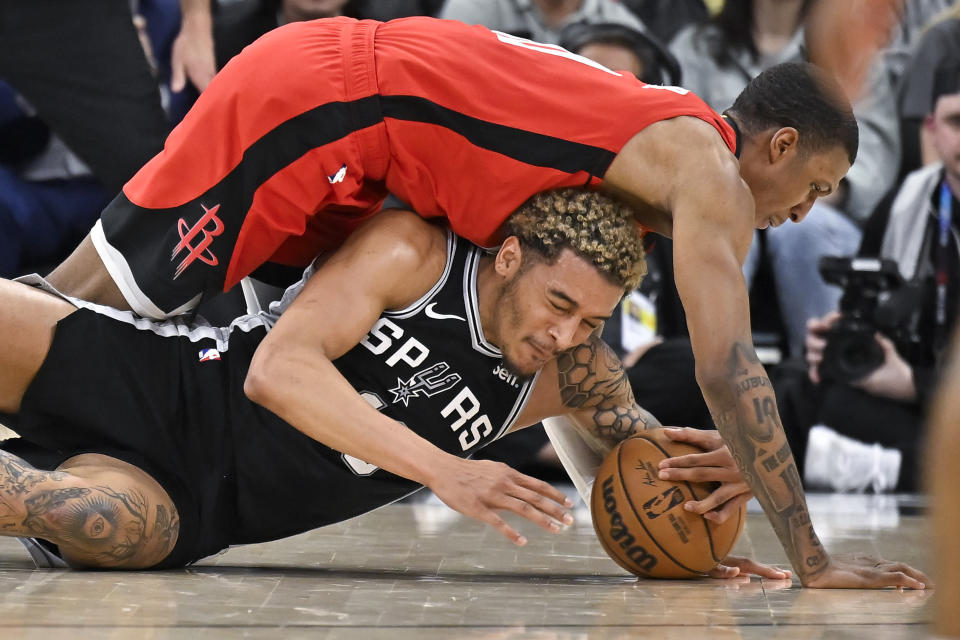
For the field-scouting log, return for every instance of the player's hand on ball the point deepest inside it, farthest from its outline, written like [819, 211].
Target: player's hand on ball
[714, 465]
[866, 572]
[733, 566]
[482, 489]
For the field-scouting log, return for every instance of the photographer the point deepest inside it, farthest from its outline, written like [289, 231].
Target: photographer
[855, 417]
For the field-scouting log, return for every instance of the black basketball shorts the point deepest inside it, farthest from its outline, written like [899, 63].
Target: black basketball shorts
[153, 395]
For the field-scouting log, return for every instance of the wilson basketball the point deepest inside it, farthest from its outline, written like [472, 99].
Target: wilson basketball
[640, 518]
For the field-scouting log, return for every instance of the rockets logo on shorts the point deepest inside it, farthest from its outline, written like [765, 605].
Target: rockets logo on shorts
[201, 251]
[207, 355]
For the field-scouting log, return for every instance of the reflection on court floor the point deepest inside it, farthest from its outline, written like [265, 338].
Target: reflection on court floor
[420, 571]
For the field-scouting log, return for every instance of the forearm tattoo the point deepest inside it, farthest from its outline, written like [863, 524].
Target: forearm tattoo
[591, 376]
[750, 425]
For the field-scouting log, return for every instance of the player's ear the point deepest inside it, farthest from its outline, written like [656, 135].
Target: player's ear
[509, 257]
[783, 143]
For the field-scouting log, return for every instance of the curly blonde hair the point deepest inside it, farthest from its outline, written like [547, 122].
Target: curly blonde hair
[596, 227]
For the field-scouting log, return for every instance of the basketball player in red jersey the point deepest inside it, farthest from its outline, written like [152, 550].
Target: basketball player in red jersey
[300, 138]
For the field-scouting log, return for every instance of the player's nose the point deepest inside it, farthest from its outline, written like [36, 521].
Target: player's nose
[799, 212]
[564, 333]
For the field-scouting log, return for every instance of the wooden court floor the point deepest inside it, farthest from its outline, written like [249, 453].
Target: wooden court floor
[420, 571]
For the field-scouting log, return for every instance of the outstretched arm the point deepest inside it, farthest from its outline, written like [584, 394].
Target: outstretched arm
[387, 264]
[712, 223]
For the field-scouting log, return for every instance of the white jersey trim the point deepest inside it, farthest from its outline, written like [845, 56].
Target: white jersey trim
[472, 306]
[519, 405]
[194, 330]
[418, 306]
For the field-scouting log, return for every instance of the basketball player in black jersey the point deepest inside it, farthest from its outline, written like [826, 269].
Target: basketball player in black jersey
[399, 355]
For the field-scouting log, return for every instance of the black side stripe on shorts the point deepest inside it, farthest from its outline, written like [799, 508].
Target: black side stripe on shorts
[525, 146]
[276, 150]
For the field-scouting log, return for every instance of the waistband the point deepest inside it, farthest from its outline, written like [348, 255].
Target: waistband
[360, 81]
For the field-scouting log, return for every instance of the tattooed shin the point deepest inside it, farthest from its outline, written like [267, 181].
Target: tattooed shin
[591, 376]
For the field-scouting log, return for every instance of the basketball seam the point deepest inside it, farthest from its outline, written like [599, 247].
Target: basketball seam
[636, 515]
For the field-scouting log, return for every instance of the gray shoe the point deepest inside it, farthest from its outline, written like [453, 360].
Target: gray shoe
[43, 556]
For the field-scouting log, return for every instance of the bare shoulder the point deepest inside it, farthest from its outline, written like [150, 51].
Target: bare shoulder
[669, 158]
[396, 252]
[404, 237]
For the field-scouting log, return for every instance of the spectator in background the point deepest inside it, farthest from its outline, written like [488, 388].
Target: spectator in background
[539, 20]
[80, 112]
[391, 9]
[865, 428]
[197, 52]
[617, 46]
[915, 16]
[81, 66]
[718, 59]
[938, 47]
[666, 18]
[239, 23]
[48, 197]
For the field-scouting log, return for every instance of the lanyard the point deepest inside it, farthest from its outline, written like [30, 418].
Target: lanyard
[944, 218]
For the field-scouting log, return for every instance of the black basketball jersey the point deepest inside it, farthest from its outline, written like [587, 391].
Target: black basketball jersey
[427, 366]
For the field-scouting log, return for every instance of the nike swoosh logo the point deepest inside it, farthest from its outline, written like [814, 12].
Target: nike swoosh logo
[440, 316]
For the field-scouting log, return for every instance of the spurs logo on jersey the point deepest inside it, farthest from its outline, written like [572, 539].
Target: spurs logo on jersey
[433, 372]
[429, 382]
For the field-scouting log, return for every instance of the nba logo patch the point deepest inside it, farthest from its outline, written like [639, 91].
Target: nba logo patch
[207, 355]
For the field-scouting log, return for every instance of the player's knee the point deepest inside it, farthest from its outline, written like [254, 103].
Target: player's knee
[113, 528]
[118, 518]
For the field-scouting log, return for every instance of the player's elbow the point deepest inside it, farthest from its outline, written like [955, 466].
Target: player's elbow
[260, 384]
[712, 379]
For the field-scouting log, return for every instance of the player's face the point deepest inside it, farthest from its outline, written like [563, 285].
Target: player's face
[944, 127]
[790, 186]
[546, 308]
